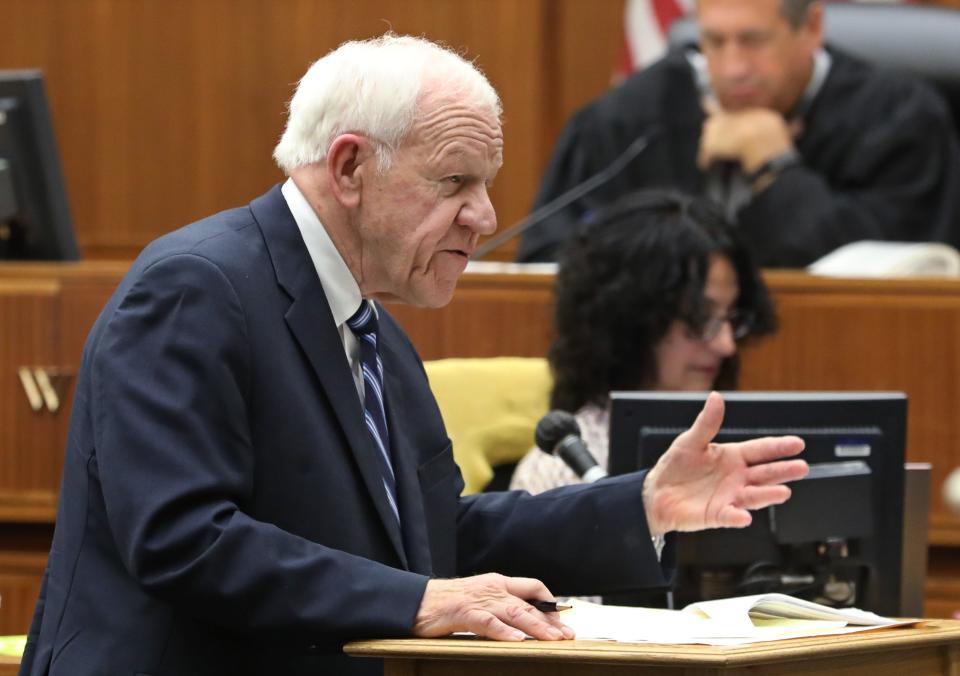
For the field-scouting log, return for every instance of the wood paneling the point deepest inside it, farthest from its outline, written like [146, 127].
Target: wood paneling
[29, 453]
[168, 110]
[490, 315]
[23, 557]
[589, 42]
[46, 312]
[874, 335]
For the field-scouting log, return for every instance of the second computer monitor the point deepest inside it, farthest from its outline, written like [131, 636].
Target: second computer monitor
[35, 221]
[837, 540]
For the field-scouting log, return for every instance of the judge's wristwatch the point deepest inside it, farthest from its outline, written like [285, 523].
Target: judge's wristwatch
[761, 179]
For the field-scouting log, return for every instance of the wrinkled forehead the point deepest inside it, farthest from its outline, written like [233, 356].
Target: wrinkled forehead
[448, 124]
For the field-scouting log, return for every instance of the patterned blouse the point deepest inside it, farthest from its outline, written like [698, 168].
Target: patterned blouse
[538, 472]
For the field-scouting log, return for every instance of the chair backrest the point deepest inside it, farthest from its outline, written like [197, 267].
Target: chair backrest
[490, 408]
[917, 39]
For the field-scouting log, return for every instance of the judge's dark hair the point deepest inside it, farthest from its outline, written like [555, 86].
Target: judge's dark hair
[795, 11]
[639, 265]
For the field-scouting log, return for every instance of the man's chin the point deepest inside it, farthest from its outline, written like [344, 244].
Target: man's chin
[434, 296]
[440, 296]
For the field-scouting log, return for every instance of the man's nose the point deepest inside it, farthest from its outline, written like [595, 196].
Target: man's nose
[478, 213]
[734, 62]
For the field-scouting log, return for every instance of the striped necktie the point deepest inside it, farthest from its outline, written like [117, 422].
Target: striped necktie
[363, 323]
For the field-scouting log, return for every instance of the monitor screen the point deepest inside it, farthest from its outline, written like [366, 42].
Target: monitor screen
[35, 221]
[838, 540]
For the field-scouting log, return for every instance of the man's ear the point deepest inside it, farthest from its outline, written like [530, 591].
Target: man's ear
[813, 24]
[348, 158]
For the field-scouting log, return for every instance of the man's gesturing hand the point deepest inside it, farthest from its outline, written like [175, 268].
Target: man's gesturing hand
[698, 484]
[489, 605]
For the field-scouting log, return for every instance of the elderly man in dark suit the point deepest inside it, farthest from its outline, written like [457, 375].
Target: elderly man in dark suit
[257, 470]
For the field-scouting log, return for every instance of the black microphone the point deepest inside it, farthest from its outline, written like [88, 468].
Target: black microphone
[559, 434]
[570, 196]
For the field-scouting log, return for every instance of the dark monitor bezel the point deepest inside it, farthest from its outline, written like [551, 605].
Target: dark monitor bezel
[39, 186]
[771, 413]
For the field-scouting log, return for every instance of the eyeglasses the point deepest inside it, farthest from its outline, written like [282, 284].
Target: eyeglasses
[708, 328]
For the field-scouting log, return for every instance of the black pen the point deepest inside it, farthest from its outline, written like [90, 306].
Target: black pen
[547, 606]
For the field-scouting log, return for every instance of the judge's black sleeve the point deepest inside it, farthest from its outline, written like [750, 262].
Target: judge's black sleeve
[881, 161]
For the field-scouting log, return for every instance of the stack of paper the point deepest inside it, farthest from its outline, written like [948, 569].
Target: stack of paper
[736, 621]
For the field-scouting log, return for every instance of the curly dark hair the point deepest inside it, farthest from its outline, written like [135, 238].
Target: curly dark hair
[627, 275]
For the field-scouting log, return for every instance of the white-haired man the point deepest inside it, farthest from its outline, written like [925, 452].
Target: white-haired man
[257, 470]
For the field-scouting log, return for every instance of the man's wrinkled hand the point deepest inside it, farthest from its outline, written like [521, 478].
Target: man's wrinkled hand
[488, 605]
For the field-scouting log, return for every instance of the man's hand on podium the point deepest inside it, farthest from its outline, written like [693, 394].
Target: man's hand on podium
[489, 605]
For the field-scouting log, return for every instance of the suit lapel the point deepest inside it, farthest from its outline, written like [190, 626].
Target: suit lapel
[311, 322]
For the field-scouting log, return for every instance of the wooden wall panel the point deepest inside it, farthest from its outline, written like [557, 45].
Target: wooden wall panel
[47, 311]
[168, 110]
[589, 43]
[489, 316]
[30, 442]
[874, 336]
[21, 573]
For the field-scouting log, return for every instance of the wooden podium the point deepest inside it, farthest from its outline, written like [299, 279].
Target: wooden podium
[929, 649]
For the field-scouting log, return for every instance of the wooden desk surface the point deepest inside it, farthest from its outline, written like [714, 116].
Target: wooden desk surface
[935, 643]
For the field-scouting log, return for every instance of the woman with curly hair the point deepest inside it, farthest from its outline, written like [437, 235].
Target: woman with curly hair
[657, 293]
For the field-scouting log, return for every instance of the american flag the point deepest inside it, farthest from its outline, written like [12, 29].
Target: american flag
[646, 23]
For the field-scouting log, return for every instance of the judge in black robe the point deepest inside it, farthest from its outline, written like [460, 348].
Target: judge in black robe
[879, 159]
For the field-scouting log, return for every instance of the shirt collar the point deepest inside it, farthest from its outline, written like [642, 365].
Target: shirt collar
[339, 285]
[821, 68]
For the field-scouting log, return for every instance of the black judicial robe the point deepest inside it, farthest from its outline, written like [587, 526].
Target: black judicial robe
[880, 161]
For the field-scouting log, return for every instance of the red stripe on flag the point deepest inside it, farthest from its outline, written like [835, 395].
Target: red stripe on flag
[666, 11]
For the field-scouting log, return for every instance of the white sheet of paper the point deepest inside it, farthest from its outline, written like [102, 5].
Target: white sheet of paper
[724, 622]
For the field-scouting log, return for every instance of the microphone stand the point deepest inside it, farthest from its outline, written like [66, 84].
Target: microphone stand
[569, 197]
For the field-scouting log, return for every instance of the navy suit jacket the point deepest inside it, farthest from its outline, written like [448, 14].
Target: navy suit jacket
[221, 510]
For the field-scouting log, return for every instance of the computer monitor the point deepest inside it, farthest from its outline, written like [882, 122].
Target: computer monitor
[35, 221]
[838, 540]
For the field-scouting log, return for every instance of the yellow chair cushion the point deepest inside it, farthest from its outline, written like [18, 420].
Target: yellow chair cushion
[490, 408]
[12, 646]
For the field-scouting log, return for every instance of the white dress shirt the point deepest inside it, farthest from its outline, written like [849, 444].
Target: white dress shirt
[339, 284]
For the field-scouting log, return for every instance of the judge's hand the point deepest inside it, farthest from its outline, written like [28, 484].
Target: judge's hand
[489, 605]
[750, 137]
[698, 484]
